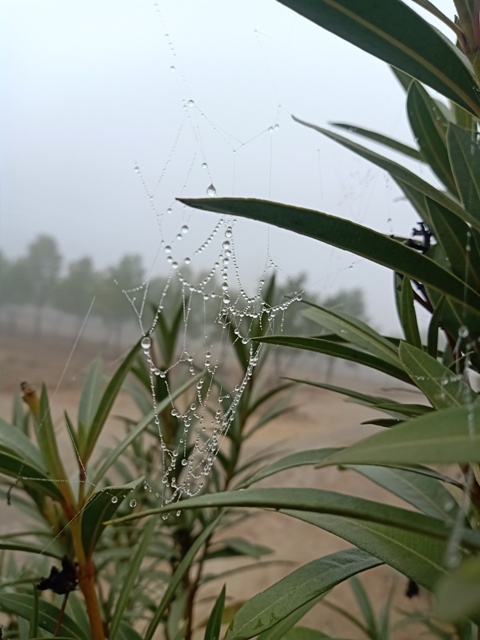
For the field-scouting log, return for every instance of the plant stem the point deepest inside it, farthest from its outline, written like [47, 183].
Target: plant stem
[87, 586]
[86, 572]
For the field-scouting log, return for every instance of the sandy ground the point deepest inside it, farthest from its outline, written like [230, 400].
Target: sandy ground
[321, 419]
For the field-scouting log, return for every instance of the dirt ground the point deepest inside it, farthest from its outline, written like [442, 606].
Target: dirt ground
[321, 419]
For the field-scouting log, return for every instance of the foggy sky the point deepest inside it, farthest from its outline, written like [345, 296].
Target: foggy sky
[89, 92]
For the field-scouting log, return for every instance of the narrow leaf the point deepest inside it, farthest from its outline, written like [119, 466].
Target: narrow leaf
[393, 32]
[177, 577]
[430, 129]
[102, 506]
[338, 350]
[441, 386]
[350, 236]
[353, 331]
[132, 576]
[395, 145]
[106, 403]
[22, 605]
[214, 624]
[89, 399]
[464, 153]
[445, 436]
[291, 593]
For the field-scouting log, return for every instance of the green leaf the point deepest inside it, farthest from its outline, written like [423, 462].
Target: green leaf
[458, 595]
[417, 556]
[292, 460]
[353, 331]
[393, 32]
[315, 456]
[132, 576]
[304, 633]
[106, 403]
[320, 501]
[294, 591]
[239, 547]
[47, 440]
[29, 548]
[15, 441]
[396, 409]
[441, 386]
[400, 174]
[177, 577]
[283, 628]
[89, 400]
[364, 604]
[214, 624]
[455, 238]
[425, 493]
[101, 506]
[22, 605]
[395, 145]
[406, 311]
[444, 436]
[429, 127]
[33, 631]
[350, 236]
[464, 153]
[338, 350]
[30, 475]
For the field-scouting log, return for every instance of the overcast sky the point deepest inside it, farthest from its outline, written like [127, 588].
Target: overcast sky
[93, 88]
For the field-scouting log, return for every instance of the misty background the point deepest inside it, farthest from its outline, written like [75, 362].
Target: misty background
[112, 109]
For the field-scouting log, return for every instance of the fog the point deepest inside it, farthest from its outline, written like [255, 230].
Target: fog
[94, 89]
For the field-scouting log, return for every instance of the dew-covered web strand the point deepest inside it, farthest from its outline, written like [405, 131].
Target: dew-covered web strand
[204, 420]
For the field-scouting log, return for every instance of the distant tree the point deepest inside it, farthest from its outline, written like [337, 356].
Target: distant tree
[113, 305]
[76, 290]
[42, 262]
[17, 289]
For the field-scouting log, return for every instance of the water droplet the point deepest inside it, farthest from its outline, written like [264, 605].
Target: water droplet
[172, 68]
[228, 232]
[463, 332]
[276, 127]
[133, 503]
[211, 191]
[191, 103]
[178, 513]
[204, 165]
[270, 129]
[169, 210]
[185, 229]
[226, 244]
[114, 500]
[187, 260]
[168, 249]
[174, 265]
[165, 516]
[146, 343]
[136, 168]
[224, 286]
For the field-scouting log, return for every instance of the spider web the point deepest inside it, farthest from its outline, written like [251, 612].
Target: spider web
[218, 309]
